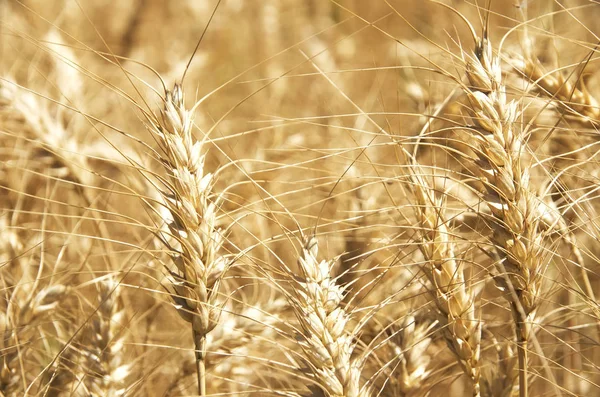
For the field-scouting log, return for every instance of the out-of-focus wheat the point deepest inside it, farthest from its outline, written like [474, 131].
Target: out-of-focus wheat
[574, 99]
[408, 364]
[28, 306]
[106, 370]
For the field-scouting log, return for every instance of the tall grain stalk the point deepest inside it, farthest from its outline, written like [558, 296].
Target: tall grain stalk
[516, 212]
[196, 237]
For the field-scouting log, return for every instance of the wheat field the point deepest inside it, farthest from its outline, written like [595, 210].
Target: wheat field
[334, 198]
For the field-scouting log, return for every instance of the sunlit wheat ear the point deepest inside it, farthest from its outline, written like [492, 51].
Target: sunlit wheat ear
[105, 368]
[522, 247]
[453, 298]
[192, 221]
[327, 340]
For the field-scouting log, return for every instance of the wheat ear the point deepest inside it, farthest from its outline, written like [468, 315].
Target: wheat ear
[193, 223]
[575, 100]
[26, 309]
[327, 341]
[408, 344]
[454, 299]
[515, 210]
[105, 367]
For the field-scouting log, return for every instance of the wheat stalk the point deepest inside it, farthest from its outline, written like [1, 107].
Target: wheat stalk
[516, 211]
[192, 207]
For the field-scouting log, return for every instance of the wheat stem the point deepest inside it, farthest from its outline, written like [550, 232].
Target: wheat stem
[523, 337]
[200, 345]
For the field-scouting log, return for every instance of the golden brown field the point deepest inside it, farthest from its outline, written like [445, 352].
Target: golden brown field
[334, 198]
